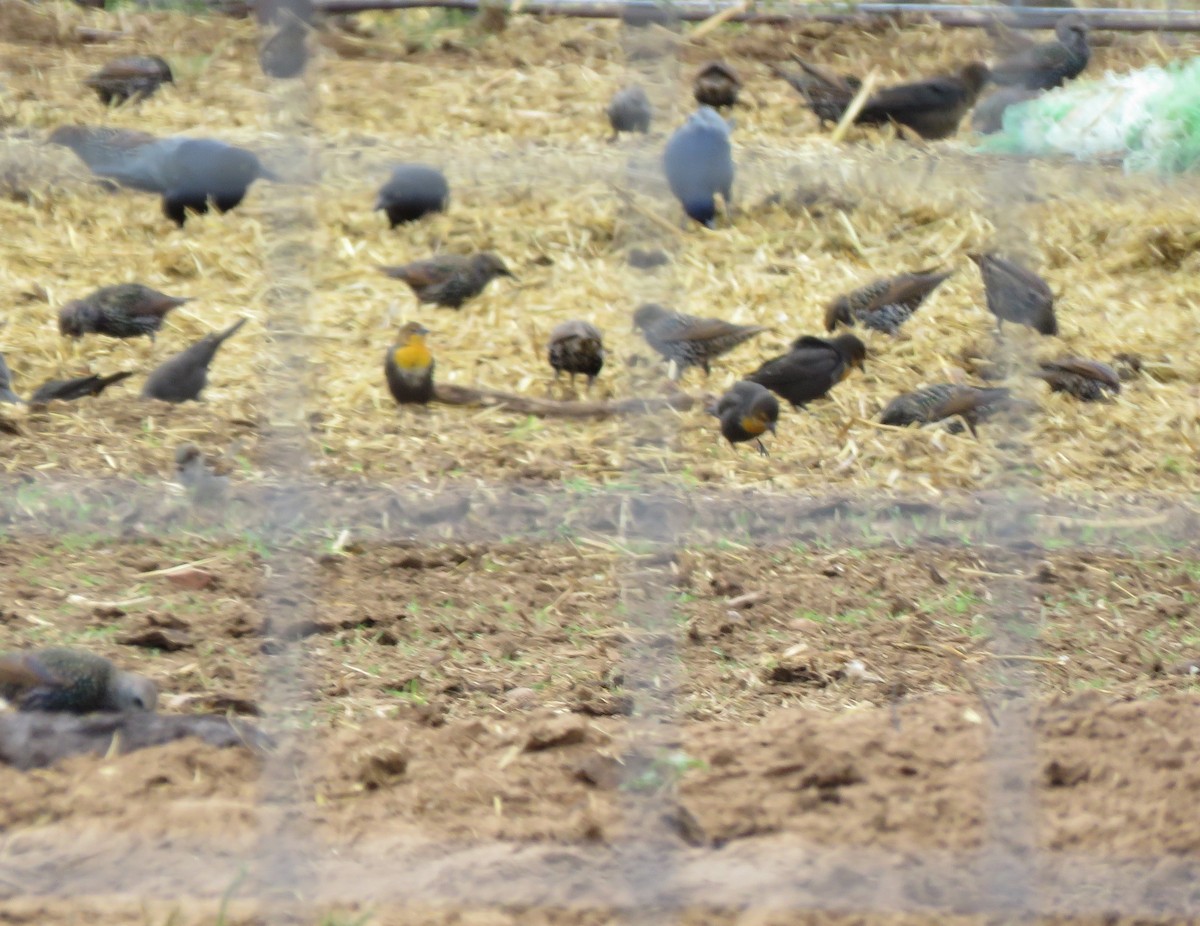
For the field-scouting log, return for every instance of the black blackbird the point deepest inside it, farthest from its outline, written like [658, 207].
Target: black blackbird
[67, 390]
[629, 111]
[811, 368]
[183, 377]
[412, 192]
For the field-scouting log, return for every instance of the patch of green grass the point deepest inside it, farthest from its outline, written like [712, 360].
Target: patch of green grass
[411, 692]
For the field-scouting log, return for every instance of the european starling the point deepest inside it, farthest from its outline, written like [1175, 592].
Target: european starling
[412, 192]
[450, 279]
[629, 111]
[717, 85]
[182, 378]
[126, 310]
[6, 390]
[698, 161]
[193, 473]
[932, 108]
[884, 305]
[74, 681]
[67, 390]
[408, 366]
[577, 347]
[746, 411]
[134, 78]
[827, 94]
[1048, 65]
[686, 340]
[1087, 380]
[1016, 294]
[988, 115]
[811, 368]
[945, 400]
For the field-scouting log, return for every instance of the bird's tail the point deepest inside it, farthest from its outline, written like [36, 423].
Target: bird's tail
[229, 332]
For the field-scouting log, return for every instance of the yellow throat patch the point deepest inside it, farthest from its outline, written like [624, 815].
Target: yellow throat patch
[412, 356]
[753, 426]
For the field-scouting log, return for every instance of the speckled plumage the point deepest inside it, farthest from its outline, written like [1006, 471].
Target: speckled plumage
[71, 680]
[747, 410]
[1087, 380]
[717, 85]
[945, 400]
[131, 78]
[885, 304]
[811, 368]
[1016, 294]
[182, 378]
[687, 340]
[449, 280]
[125, 310]
[576, 347]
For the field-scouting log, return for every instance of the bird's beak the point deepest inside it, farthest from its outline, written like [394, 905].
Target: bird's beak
[771, 426]
[512, 276]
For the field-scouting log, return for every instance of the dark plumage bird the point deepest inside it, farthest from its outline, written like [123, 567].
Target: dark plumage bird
[285, 52]
[68, 390]
[183, 377]
[886, 304]
[1087, 380]
[932, 108]
[74, 681]
[6, 389]
[1016, 294]
[1049, 64]
[133, 78]
[686, 340]
[811, 368]
[946, 400]
[698, 161]
[413, 192]
[450, 279]
[629, 111]
[717, 84]
[747, 411]
[988, 115]
[577, 347]
[408, 366]
[126, 310]
[827, 94]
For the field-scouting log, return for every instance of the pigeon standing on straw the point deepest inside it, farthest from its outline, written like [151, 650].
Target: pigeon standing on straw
[698, 161]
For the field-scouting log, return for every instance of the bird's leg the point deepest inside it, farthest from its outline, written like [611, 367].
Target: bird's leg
[762, 448]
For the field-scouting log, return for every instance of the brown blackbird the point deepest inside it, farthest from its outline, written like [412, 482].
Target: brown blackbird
[6, 390]
[717, 85]
[1016, 294]
[408, 366]
[67, 390]
[133, 78]
[945, 400]
[576, 347]
[686, 340]
[182, 378]
[72, 680]
[932, 108]
[886, 304]
[126, 310]
[1049, 64]
[629, 111]
[811, 368]
[413, 192]
[1087, 380]
[747, 411]
[450, 279]
[827, 94]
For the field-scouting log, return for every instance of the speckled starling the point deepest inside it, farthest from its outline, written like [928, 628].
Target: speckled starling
[133, 78]
[576, 347]
[1087, 380]
[716, 84]
[811, 368]
[182, 378]
[74, 681]
[413, 192]
[68, 390]
[629, 111]
[827, 94]
[686, 340]
[945, 400]
[1049, 64]
[988, 115]
[6, 389]
[886, 304]
[409, 365]
[1016, 294]
[126, 310]
[450, 279]
[932, 108]
[747, 411]
[698, 161]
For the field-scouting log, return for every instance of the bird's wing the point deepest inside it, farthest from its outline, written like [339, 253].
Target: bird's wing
[708, 329]
[1092, 369]
[935, 93]
[24, 670]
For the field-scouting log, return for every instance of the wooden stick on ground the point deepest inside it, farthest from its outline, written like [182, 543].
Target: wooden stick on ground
[554, 408]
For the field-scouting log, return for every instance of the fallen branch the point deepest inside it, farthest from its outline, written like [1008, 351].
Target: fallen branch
[554, 408]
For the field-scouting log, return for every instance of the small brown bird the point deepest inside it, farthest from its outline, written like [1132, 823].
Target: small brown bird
[1048, 64]
[686, 340]
[1087, 380]
[182, 378]
[73, 681]
[629, 111]
[988, 115]
[577, 347]
[932, 108]
[747, 411]
[811, 368]
[133, 78]
[450, 279]
[68, 390]
[827, 94]
[717, 85]
[1016, 294]
[886, 304]
[408, 366]
[946, 400]
[126, 310]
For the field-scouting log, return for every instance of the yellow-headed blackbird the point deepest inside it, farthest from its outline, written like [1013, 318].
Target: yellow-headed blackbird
[6, 389]
[811, 368]
[577, 347]
[1048, 65]
[126, 310]
[932, 108]
[183, 377]
[1016, 294]
[686, 340]
[827, 94]
[1087, 380]
[72, 680]
[629, 111]
[884, 305]
[450, 279]
[945, 400]
[717, 84]
[67, 390]
[133, 78]
[412, 192]
[747, 411]
[408, 366]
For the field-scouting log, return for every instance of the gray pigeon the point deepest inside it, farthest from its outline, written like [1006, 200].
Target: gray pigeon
[698, 161]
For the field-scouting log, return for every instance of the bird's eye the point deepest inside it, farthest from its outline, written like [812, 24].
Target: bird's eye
[139, 704]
